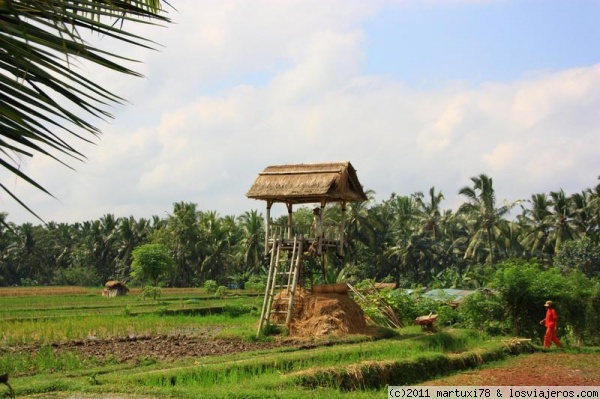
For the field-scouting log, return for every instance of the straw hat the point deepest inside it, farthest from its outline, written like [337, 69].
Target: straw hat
[548, 303]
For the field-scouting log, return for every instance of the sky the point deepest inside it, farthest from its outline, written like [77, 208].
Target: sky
[415, 94]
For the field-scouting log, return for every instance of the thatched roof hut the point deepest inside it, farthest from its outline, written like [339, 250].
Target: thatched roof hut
[114, 288]
[322, 183]
[308, 183]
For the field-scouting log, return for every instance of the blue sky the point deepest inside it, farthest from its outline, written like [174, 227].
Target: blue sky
[414, 93]
[428, 45]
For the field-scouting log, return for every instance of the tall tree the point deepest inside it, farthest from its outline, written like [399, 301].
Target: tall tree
[561, 219]
[485, 216]
[594, 212]
[428, 213]
[43, 97]
[181, 236]
[536, 225]
[252, 243]
[130, 234]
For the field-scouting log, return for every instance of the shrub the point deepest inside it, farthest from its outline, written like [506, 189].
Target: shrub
[210, 286]
[151, 292]
[523, 288]
[236, 310]
[221, 291]
[484, 310]
[593, 319]
[256, 283]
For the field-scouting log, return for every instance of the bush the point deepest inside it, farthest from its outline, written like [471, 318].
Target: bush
[151, 292]
[221, 291]
[484, 310]
[516, 305]
[256, 283]
[210, 286]
[523, 288]
[593, 316]
[237, 310]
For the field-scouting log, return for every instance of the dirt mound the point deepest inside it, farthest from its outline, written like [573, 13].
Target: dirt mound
[318, 314]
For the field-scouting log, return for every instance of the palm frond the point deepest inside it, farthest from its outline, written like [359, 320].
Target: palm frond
[44, 102]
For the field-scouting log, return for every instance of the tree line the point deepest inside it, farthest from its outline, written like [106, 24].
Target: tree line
[410, 240]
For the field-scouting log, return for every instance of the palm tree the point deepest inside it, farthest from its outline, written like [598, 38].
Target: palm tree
[561, 219]
[485, 217]
[252, 243]
[182, 237]
[594, 211]
[9, 244]
[42, 95]
[131, 234]
[582, 212]
[428, 213]
[360, 227]
[535, 222]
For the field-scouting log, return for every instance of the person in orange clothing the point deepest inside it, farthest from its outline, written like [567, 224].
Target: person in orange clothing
[550, 323]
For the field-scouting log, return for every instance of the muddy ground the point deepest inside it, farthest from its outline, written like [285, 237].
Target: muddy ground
[163, 347]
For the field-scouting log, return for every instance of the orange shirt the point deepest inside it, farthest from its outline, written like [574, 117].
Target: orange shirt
[551, 317]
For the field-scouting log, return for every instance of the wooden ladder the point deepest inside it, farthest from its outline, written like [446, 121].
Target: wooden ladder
[283, 275]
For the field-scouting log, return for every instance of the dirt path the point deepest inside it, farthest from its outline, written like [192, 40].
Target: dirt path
[538, 369]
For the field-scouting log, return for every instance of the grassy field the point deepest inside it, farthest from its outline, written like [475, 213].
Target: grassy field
[69, 342]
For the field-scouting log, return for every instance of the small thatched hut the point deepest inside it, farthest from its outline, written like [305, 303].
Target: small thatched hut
[114, 288]
[320, 183]
[308, 183]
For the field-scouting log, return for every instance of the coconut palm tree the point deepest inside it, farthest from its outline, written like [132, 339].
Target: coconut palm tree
[45, 102]
[594, 211]
[561, 219]
[428, 213]
[483, 214]
[131, 233]
[252, 242]
[360, 227]
[536, 225]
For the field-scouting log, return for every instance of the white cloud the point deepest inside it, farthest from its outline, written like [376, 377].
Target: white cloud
[180, 142]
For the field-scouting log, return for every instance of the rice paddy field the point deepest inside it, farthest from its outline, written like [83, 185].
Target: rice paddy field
[70, 342]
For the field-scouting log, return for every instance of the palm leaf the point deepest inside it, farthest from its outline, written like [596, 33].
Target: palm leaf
[44, 102]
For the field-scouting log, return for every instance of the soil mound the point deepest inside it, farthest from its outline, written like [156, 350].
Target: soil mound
[317, 314]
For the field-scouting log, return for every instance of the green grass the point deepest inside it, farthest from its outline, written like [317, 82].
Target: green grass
[33, 320]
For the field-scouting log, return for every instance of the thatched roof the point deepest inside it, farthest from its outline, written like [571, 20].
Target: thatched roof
[114, 284]
[308, 183]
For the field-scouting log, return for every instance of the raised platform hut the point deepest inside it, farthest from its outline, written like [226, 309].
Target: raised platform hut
[300, 184]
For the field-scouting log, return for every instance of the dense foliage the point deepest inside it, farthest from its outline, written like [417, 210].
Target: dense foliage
[409, 240]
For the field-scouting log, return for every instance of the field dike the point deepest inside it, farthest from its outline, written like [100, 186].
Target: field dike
[377, 374]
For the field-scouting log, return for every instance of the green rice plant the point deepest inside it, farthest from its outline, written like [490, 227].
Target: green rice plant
[232, 370]
[407, 371]
[44, 360]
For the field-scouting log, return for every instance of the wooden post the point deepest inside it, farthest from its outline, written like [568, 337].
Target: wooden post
[290, 219]
[342, 221]
[320, 249]
[268, 226]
